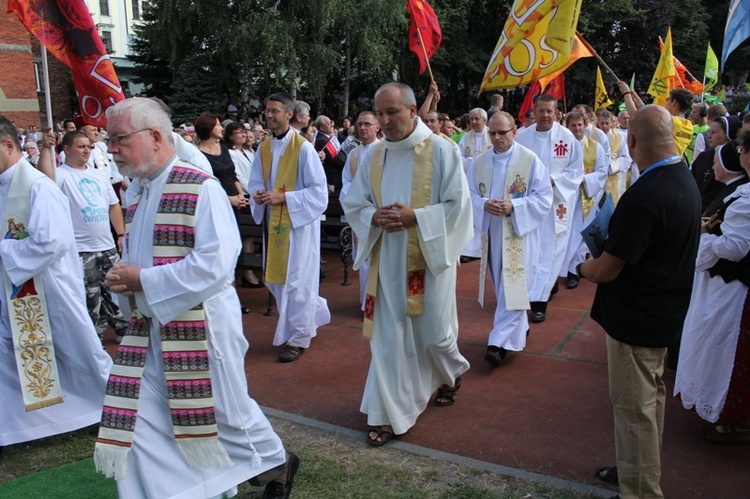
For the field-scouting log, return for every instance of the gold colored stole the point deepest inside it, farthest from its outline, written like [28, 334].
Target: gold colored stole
[279, 222]
[416, 266]
[27, 307]
[613, 180]
[470, 141]
[589, 165]
[354, 160]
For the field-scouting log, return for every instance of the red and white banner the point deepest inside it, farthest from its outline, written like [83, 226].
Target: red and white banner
[66, 29]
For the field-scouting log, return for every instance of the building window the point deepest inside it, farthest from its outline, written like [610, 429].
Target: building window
[136, 10]
[104, 7]
[107, 41]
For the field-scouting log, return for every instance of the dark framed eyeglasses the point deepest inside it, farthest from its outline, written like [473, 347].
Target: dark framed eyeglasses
[502, 133]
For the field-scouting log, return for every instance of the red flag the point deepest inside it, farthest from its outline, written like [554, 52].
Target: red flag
[528, 101]
[556, 87]
[331, 148]
[68, 31]
[423, 21]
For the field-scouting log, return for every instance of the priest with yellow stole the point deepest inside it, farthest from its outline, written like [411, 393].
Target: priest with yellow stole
[290, 192]
[409, 205]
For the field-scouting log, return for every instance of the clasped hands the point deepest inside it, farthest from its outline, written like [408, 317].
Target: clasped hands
[498, 207]
[394, 217]
[124, 279]
[269, 197]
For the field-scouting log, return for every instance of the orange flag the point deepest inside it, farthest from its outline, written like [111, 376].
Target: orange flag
[683, 79]
[580, 49]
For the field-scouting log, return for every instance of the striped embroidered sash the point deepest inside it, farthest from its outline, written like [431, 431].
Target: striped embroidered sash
[184, 349]
[416, 266]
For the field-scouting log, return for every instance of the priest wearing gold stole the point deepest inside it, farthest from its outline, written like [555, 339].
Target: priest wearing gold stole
[367, 130]
[595, 169]
[561, 154]
[290, 192]
[622, 170]
[511, 196]
[409, 205]
[52, 367]
[177, 420]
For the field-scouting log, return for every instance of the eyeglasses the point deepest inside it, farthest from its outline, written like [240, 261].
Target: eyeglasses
[365, 124]
[741, 151]
[116, 140]
[502, 133]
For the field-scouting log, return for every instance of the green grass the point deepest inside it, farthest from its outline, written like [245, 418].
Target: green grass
[332, 467]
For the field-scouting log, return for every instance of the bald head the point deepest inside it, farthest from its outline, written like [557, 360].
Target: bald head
[650, 137]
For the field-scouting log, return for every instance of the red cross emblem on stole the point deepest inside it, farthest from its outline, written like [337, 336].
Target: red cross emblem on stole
[369, 307]
[561, 211]
[415, 283]
[561, 149]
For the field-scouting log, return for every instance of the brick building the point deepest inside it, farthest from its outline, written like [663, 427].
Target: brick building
[18, 88]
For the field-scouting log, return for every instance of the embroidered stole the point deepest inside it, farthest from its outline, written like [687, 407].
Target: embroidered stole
[27, 307]
[589, 165]
[470, 144]
[517, 177]
[184, 349]
[279, 221]
[613, 179]
[416, 266]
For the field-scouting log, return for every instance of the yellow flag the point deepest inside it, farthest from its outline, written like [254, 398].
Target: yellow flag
[665, 70]
[537, 40]
[601, 99]
[711, 72]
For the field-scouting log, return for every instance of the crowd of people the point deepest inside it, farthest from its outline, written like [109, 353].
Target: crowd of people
[423, 194]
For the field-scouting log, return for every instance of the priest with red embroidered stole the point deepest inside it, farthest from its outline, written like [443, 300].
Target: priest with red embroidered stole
[409, 205]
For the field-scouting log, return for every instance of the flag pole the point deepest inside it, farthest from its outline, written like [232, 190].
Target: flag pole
[596, 54]
[424, 51]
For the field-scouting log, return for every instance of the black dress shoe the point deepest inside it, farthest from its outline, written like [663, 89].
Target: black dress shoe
[538, 317]
[554, 290]
[495, 355]
[244, 310]
[572, 281]
[247, 284]
[467, 259]
[278, 490]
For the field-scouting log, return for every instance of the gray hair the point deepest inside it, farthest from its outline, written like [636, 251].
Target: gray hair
[481, 112]
[143, 113]
[407, 94]
[321, 121]
[300, 107]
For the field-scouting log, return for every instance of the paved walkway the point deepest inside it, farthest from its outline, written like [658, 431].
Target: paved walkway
[545, 410]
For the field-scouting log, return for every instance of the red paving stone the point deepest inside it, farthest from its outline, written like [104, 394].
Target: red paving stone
[544, 410]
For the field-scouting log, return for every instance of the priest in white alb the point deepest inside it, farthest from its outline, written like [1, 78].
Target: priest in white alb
[561, 154]
[289, 192]
[471, 145]
[409, 205]
[177, 420]
[53, 370]
[596, 166]
[511, 196]
[367, 131]
[622, 169]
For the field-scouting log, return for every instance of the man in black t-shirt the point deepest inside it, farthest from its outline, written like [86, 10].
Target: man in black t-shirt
[645, 277]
